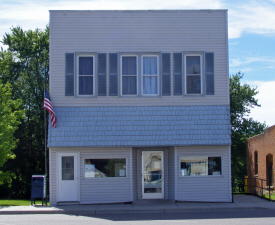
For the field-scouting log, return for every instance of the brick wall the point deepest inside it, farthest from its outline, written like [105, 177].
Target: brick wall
[264, 144]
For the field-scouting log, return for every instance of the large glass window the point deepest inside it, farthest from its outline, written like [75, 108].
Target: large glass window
[193, 73]
[86, 75]
[200, 166]
[150, 75]
[105, 167]
[129, 75]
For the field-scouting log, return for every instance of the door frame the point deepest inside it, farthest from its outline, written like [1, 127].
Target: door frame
[152, 195]
[76, 175]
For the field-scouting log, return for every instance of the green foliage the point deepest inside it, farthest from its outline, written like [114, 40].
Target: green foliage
[25, 65]
[242, 99]
[10, 117]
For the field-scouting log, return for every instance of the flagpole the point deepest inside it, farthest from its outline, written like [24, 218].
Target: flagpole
[45, 130]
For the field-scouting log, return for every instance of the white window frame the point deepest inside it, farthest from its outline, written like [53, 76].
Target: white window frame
[121, 76]
[92, 157]
[189, 156]
[185, 72]
[77, 72]
[144, 75]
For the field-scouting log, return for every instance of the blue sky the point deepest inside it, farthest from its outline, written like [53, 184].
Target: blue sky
[251, 32]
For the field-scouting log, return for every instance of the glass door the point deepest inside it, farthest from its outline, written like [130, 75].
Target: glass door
[152, 175]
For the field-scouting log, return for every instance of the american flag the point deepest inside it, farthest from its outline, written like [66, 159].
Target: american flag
[48, 106]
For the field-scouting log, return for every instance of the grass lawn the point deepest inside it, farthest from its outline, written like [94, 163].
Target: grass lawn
[16, 202]
[272, 197]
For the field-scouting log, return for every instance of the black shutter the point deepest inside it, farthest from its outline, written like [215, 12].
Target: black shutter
[166, 90]
[177, 59]
[69, 74]
[101, 74]
[113, 74]
[209, 73]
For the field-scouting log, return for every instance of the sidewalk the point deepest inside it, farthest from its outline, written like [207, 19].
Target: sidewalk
[241, 202]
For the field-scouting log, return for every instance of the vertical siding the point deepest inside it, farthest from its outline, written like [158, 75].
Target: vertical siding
[204, 188]
[134, 172]
[105, 190]
[166, 174]
[139, 175]
[171, 174]
[53, 177]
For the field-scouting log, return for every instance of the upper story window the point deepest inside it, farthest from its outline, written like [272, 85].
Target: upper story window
[129, 75]
[150, 74]
[86, 75]
[193, 72]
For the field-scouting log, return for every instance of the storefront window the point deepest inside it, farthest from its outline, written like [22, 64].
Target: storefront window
[105, 167]
[200, 166]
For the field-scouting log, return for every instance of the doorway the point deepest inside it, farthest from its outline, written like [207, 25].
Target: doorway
[67, 163]
[152, 175]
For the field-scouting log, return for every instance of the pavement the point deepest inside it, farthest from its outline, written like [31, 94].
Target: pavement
[241, 202]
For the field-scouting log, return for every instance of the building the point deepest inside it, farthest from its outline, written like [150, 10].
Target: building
[260, 155]
[142, 106]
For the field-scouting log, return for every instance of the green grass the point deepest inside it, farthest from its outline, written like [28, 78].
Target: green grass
[272, 197]
[16, 202]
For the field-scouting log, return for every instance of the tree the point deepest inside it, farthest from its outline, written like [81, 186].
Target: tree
[10, 116]
[242, 99]
[25, 65]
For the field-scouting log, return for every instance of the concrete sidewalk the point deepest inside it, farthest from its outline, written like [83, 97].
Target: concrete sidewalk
[241, 202]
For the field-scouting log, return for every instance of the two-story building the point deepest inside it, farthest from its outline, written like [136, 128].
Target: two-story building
[142, 106]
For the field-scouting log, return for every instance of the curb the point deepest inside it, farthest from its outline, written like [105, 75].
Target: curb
[83, 212]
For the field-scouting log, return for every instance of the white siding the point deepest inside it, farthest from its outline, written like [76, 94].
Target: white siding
[52, 177]
[95, 190]
[105, 190]
[138, 31]
[204, 188]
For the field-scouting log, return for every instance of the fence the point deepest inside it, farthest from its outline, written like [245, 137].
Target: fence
[254, 186]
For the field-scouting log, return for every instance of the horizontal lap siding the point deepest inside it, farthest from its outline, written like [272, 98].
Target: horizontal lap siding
[105, 190]
[138, 31]
[204, 188]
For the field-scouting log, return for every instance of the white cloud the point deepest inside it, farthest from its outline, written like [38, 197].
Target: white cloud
[265, 113]
[251, 16]
[245, 61]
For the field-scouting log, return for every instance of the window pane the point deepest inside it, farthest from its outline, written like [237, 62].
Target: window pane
[194, 166]
[68, 168]
[150, 66]
[200, 166]
[193, 65]
[129, 65]
[150, 85]
[105, 167]
[86, 85]
[193, 84]
[214, 166]
[86, 65]
[129, 85]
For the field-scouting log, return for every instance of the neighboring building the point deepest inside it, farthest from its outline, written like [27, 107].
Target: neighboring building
[260, 156]
[142, 106]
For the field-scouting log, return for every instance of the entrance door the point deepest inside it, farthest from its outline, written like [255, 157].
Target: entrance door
[67, 177]
[152, 175]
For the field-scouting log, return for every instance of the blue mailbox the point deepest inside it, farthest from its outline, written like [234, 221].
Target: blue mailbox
[38, 188]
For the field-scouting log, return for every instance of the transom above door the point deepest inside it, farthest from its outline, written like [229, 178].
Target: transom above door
[152, 175]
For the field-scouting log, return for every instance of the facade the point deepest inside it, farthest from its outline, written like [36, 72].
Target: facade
[260, 156]
[142, 106]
